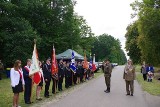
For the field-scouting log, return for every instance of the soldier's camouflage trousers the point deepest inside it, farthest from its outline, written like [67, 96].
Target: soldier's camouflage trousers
[107, 81]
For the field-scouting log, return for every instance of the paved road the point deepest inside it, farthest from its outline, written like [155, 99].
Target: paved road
[92, 94]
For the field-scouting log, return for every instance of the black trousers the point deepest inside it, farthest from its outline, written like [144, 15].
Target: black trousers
[81, 77]
[145, 77]
[75, 78]
[54, 86]
[47, 84]
[27, 92]
[70, 81]
[67, 82]
[60, 83]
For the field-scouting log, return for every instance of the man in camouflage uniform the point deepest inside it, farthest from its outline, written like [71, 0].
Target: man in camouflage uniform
[107, 74]
[129, 76]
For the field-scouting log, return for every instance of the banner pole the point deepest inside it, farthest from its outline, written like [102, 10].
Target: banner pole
[55, 85]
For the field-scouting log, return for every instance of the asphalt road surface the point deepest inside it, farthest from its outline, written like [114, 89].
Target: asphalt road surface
[92, 94]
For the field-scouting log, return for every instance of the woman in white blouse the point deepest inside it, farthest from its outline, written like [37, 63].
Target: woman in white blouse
[17, 81]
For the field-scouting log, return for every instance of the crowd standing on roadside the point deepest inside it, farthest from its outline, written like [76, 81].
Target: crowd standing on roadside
[21, 81]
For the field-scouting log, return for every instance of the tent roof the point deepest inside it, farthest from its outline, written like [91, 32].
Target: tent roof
[68, 54]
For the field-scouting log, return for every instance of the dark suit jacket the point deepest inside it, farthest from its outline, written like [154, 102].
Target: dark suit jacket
[47, 71]
[60, 71]
[27, 79]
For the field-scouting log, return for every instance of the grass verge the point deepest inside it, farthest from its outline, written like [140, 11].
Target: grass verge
[6, 95]
[152, 88]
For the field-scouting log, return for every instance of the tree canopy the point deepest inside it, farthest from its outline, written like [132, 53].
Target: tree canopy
[49, 22]
[148, 27]
[106, 46]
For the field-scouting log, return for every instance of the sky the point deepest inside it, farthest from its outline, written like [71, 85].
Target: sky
[106, 16]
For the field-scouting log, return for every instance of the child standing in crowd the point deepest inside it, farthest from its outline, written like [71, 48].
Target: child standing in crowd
[17, 81]
[150, 72]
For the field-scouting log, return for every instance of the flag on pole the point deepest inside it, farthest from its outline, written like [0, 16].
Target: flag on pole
[85, 65]
[54, 66]
[72, 65]
[90, 62]
[93, 64]
[35, 66]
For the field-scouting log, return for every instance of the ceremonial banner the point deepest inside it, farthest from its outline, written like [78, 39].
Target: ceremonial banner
[85, 64]
[90, 62]
[93, 64]
[54, 66]
[72, 65]
[35, 66]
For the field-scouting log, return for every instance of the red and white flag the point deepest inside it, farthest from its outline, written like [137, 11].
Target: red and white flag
[35, 68]
[54, 66]
[93, 64]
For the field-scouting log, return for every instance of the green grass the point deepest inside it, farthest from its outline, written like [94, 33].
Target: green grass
[138, 68]
[6, 95]
[150, 87]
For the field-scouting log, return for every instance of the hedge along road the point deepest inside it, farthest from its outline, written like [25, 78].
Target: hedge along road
[92, 94]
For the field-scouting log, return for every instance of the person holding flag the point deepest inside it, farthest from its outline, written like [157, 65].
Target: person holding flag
[47, 76]
[85, 66]
[28, 82]
[60, 75]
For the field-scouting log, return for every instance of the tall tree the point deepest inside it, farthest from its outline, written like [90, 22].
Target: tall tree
[51, 21]
[132, 43]
[106, 46]
[148, 12]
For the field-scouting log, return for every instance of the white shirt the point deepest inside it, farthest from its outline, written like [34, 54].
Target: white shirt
[15, 77]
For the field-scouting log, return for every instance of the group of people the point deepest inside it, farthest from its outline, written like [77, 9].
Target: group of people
[128, 76]
[22, 81]
[148, 72]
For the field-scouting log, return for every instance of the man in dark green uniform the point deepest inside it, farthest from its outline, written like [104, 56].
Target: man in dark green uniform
[107, 74]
